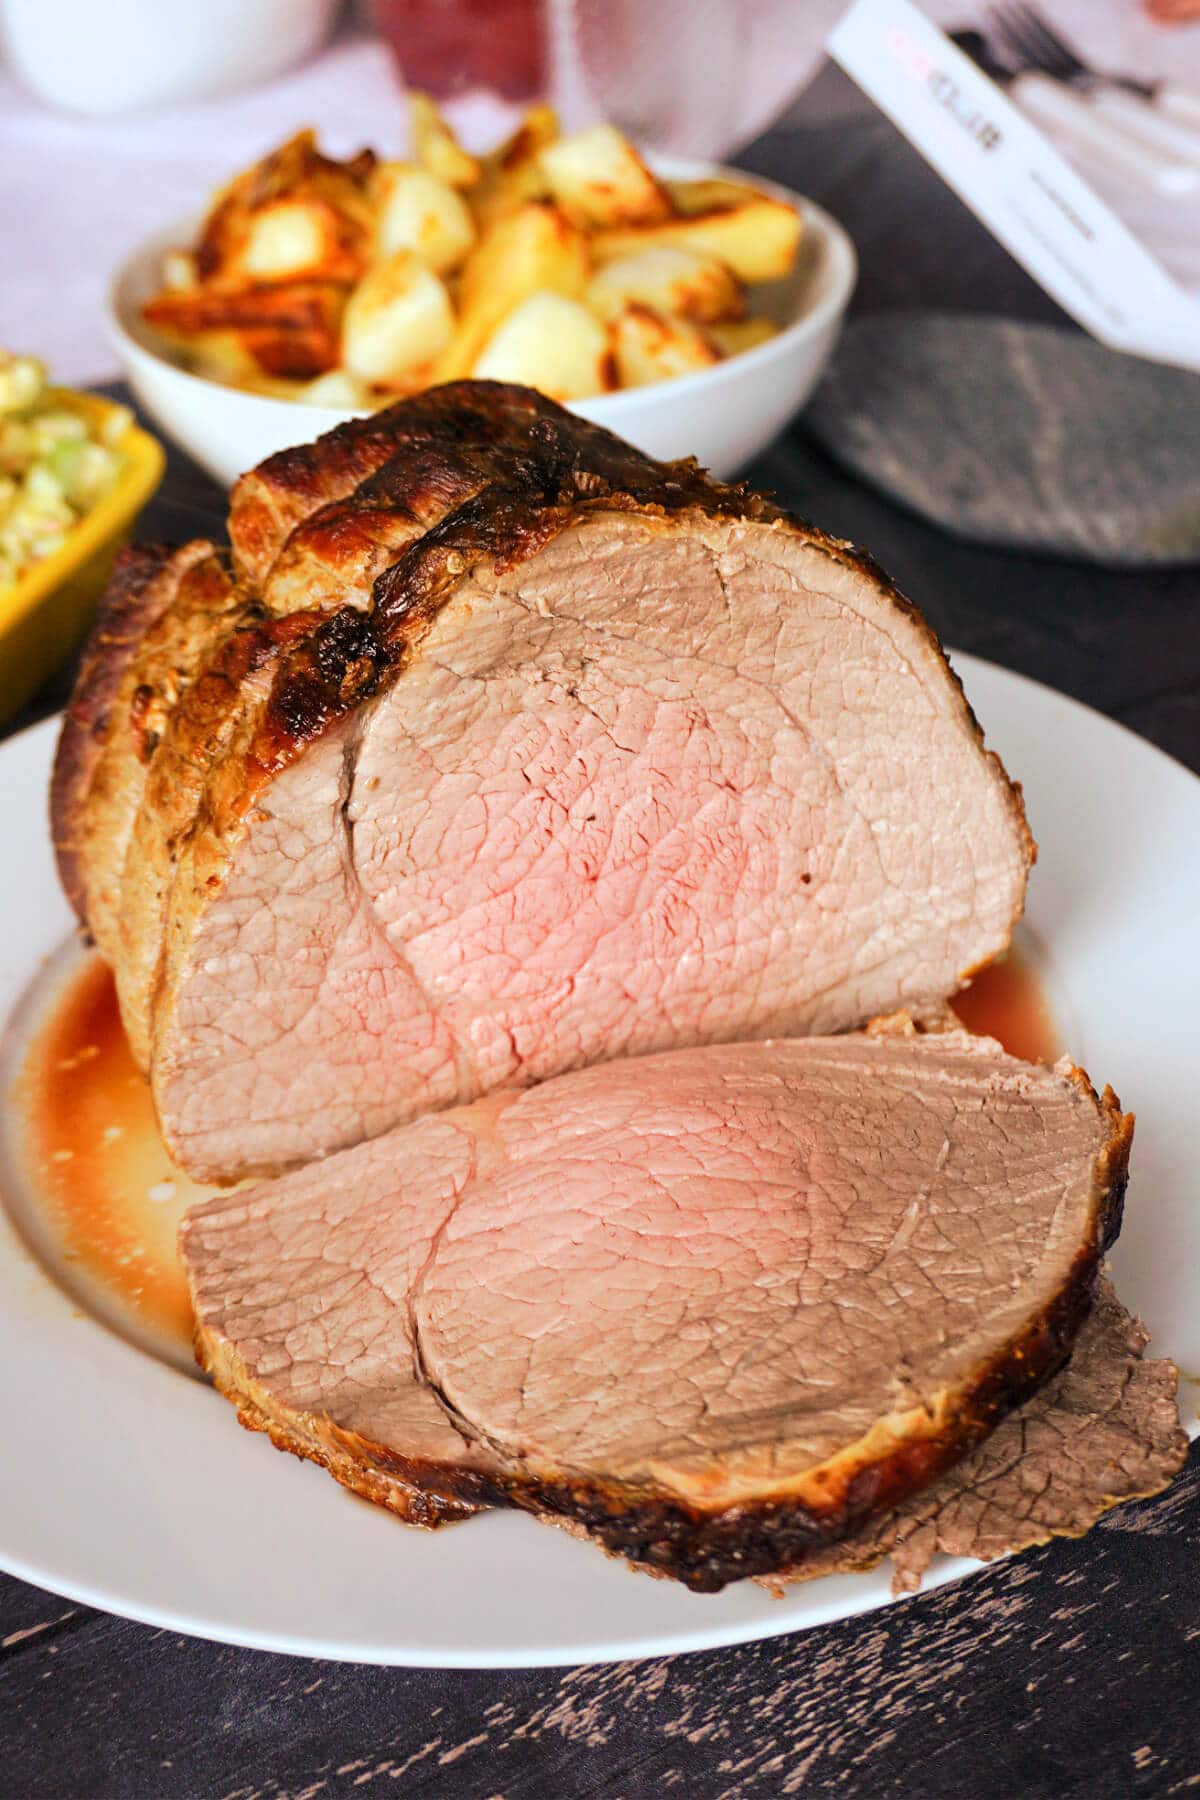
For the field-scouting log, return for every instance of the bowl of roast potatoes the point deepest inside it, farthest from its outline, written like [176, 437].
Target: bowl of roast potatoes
[689, 307]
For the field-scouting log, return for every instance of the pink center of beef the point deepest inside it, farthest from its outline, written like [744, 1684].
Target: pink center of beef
[638, 793]
[742, 1259]
[705, 1272]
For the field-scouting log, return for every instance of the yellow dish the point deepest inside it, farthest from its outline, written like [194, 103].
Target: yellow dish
[43, 617]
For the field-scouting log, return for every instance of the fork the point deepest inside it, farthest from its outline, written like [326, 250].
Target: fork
[1028, 38]
[1036, 46]
[1165, 157]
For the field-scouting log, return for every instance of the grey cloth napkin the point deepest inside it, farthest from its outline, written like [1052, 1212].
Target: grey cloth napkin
[1024, 436]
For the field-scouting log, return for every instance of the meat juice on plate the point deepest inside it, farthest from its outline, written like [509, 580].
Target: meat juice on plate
[97, 1193]
[101, 1200]
[1007, 1000]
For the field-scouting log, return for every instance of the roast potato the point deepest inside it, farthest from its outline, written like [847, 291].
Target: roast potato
[179, 271]
[399, 318]
[338, 388]
[419, 212]
[732, 335]
[534, 247]
[668, 279]
[289, 239]
[599, 179]
[437, 148]
[757, 239]
[290, 330]
[652, 346]
[550, 343]
[297, 215]
[513, 173]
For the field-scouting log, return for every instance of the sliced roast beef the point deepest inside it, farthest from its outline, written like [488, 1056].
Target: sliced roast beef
[716, 1309]
[513, 752]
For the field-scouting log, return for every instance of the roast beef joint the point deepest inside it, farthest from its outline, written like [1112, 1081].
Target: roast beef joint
[503, 849]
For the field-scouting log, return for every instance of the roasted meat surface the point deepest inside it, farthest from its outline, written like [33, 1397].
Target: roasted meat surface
[493, 749]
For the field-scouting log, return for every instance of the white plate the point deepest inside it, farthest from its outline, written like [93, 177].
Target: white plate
[125, 1485]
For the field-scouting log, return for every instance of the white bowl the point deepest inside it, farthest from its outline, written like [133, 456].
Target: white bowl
[723, 415]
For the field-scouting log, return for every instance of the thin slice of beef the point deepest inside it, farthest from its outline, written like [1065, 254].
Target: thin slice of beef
[1103, 1430]
[717, 1309]
[569, 756]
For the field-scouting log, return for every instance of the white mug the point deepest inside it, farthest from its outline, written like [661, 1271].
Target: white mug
[106, 57]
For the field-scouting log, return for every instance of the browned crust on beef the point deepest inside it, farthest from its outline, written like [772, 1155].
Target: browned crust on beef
[491, 473]
[424, 444]
[778, 1530]
[1114, 1435]
[134, 602]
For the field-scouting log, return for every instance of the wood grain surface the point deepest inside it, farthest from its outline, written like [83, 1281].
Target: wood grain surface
[1071, 1671]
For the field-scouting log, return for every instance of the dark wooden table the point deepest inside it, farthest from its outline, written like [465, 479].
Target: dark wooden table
[1071, 1671]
